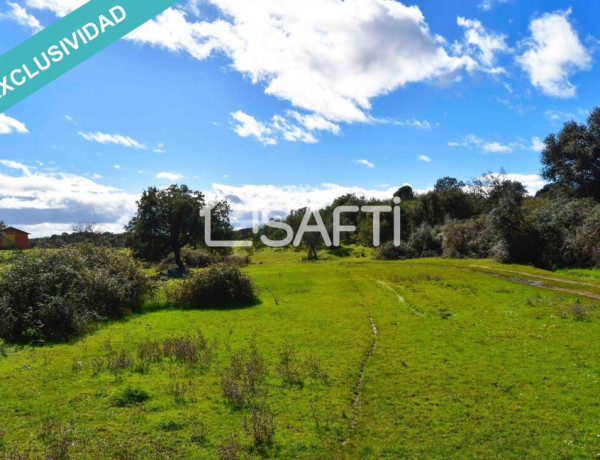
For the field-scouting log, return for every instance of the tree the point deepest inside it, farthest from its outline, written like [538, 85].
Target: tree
[405, 193]
[166, 220]
[447, 183]
[571, 159]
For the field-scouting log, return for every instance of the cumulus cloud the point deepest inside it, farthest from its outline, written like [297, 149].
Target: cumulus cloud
[294, 127]
[20, 15]
[117, 139]
[280, 200]
[532, 182]
[537, 145]
[483, 44]
[173, 177]
[11, 164]
[327, 57]
[424, 158]
[45, 202]
[553, 54]
[248, 126]
[9, 125]
[364, 162]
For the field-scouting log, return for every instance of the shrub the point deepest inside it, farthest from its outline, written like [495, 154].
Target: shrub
[59, 294]
[586, 241]
[261, 426]
[217, 286]
[388, 251]
[425, 241]
[130, 396]
[244, 380]
[289, 366]
[467, 239]
[191, 258]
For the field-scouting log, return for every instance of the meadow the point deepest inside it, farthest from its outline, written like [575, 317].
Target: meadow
[429, 358]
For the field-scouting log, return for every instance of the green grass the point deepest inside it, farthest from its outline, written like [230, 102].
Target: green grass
[466, 365]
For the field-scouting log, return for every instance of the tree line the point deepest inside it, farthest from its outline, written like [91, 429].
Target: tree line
[490, 216]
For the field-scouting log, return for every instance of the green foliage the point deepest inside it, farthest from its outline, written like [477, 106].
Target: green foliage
[219, 285]
[130, 396]
[59, 294]
[571, 159]
[199, 258]
[169, 219]
[468, 239]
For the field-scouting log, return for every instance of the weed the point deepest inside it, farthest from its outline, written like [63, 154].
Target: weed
[170, 425]
[97, 365]
[261, 426]
[244, 380]
[200, 434]
[120, 361]
[130, 396]
[231, 449]
[57, 438]
[578, 311]
[314, 368]
[182, 392]
[289, 367]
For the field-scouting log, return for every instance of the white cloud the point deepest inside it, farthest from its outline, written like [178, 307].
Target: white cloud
[328, 57]
[117, 166]
[58, 7]
[364, 162]
[44, 203]
[169, 176]
[472, 141]
[117, 139]
[537, 145]
[419, 124]
[487, 5]
[532, 182]
[294, 127]
[9, 125]
[553, 54]
[20, 15]
[16, 165]
[485, 45]
[248, 126]
[424, 158]
[69, 118]
[497, 147]
[160, 148]
[282, 199]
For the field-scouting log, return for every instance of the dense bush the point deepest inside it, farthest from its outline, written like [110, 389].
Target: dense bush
[557, 224]
[389, 251]
[426, 241]
[58, 294]
[216, 286]
[467, 239]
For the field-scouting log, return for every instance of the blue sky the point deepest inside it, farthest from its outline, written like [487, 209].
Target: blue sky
[280, 103]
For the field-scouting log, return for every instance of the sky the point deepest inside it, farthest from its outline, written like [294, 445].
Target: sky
[279, 104]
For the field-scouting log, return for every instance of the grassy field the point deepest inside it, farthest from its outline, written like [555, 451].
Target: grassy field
[423, 359]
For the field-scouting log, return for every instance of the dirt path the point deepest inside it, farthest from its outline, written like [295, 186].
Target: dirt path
[515, 279]
[532, 275]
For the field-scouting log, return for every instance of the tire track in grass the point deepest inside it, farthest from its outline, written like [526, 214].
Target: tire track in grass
[401, 299]
[514, 279]
[356, 404]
